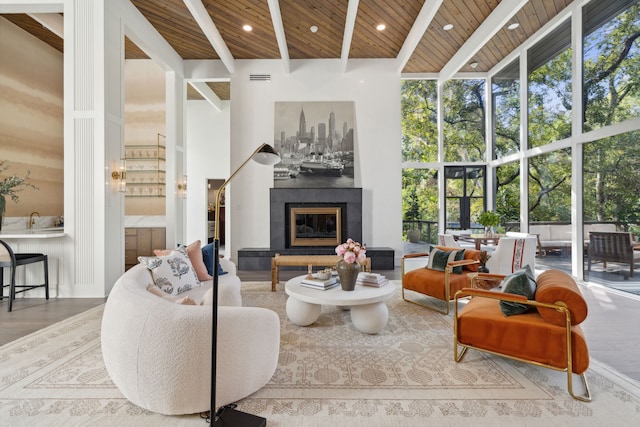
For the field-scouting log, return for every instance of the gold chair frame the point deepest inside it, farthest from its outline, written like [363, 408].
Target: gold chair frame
[447, 286]
[470, 293]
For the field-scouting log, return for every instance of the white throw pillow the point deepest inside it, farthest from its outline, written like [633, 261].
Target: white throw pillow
[172, 273]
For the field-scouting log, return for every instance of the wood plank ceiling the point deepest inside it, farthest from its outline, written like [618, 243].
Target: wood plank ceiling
[435, 48]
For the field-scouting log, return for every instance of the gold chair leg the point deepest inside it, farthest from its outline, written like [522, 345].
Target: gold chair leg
[432, 308]
[587, 392]
[458, 356]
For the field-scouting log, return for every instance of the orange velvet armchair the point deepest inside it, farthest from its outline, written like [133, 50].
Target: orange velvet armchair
[548, 334]
[441, 285]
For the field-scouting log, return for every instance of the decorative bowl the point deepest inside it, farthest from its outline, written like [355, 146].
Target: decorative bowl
[323, 274]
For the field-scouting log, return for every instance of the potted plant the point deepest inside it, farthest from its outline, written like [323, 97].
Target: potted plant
[489, 220]
[9, 186]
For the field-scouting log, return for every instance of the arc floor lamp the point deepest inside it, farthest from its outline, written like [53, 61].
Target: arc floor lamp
[227, 416]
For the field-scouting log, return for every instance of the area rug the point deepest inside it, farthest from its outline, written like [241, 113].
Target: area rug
[329, 374]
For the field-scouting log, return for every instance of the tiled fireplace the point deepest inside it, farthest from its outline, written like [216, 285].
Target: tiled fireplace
[307, 210]
[283, 200]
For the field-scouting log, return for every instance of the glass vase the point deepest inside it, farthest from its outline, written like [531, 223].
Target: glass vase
[489, 231]
[348, 274]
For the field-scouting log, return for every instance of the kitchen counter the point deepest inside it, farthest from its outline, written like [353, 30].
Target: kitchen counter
[144, 221]
[52, 241]
[35, 233]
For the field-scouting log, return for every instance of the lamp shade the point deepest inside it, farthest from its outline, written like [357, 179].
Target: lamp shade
[266, 155]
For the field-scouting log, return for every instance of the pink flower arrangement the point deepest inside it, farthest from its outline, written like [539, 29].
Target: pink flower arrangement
[352, 251]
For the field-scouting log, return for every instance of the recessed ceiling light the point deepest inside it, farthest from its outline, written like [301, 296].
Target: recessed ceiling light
[448, 27]
[473, 64]
[513, 26]
[313, 29]
[247, 27]
[380, 27]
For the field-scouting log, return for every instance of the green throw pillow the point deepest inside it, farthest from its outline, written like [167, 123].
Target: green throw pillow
[522, 282]
[438, 260]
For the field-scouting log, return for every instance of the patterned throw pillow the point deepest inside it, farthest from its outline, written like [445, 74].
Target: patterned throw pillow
[522, 282]
[172, 273]
[195, 256]
[438, 260]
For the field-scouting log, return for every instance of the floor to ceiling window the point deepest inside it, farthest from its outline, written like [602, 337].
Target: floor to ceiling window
[419, 121]
[534, 154]
[464, 120]
[420, 206]
[550, 187]
[611, 79]
[508, 195]
[505, 92]
[611, 165]
[549, 63]
[419, 145]
[464, 193]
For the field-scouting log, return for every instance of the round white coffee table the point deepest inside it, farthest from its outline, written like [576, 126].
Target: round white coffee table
[369, 312]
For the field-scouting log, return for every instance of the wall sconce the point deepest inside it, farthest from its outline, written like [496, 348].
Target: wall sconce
[120, 176]
[182, 187]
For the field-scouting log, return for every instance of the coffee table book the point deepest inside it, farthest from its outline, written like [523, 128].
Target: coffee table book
[372, 279]
[319, 283]
[321, 288]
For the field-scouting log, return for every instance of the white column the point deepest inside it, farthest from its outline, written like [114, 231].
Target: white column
[176, 166]
[490, 170]
[577, 228]
[94, 119]
[524, 143]
[84, 156]
[442, 201]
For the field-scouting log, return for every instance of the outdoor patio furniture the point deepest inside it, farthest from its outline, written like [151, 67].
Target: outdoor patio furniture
[613, 247]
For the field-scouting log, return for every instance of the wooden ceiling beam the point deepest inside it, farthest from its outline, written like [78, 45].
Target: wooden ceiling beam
[426, 15]
[489, 27]
[210, 30]
[278, 27]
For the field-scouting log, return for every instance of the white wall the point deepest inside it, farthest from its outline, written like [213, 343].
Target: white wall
[207, 151]
[373, 85]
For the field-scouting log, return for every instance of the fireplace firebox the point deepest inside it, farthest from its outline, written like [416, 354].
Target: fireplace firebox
[315, 226]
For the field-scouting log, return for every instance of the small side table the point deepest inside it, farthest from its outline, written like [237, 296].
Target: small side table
[486, 281]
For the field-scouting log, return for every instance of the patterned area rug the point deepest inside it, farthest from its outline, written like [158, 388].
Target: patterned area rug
[329, 374]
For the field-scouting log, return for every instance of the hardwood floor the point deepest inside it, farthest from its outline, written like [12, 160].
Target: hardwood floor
[611, 333]
[30, 314]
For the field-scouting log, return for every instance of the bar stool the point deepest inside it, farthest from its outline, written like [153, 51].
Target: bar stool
[12, 260]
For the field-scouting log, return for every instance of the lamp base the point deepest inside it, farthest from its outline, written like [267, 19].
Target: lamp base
[232, 418]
